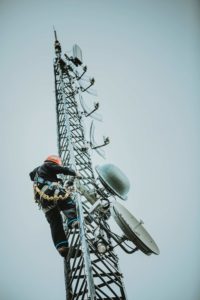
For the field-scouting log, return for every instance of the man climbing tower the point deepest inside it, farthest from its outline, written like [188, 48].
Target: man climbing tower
[53, 197]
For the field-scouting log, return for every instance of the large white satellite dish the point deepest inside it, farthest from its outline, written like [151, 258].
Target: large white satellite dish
[133, 229]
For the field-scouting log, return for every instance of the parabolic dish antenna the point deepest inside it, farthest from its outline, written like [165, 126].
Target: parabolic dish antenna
[114, 180]
[133, 229]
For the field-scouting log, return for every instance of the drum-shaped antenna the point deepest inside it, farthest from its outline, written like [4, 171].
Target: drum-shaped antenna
[114, 180]
[133, 229]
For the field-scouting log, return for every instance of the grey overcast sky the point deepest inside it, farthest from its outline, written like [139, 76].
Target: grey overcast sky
[144, 56]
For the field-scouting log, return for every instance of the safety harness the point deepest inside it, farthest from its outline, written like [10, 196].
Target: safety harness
[41, 193]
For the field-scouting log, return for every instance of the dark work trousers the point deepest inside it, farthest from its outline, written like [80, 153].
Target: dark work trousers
[53, 216]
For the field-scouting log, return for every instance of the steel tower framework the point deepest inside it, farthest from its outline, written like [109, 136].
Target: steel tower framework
[93, 275]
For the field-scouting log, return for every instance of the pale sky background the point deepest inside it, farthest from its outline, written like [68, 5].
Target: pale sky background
[144, 56]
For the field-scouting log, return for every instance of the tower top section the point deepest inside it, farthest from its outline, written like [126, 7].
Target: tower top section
[77, 57]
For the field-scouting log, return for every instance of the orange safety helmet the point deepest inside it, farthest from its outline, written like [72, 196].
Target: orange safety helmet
[54, 158]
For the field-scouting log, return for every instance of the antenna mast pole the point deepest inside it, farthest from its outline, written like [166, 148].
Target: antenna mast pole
[95, 274]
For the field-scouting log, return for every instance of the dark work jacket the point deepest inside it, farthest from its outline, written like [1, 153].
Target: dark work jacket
[49, 170]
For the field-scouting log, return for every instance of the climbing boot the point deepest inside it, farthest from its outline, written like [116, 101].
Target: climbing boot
[72, 251]
[74, 224]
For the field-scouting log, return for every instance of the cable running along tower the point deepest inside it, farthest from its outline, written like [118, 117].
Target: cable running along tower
[95, 275]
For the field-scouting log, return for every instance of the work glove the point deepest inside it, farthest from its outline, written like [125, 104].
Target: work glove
[78, 175]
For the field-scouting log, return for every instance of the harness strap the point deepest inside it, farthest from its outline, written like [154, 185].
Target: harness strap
[55, 197]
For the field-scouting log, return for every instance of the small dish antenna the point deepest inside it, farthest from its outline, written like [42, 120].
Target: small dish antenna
[77, 55]
[133, 229]
[88, 111]
[93, 144]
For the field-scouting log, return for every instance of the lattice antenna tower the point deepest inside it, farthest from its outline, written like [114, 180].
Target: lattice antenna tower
[95, 274]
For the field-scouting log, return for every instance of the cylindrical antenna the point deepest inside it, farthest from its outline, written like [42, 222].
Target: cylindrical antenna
[55, 34]
[57, 44]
